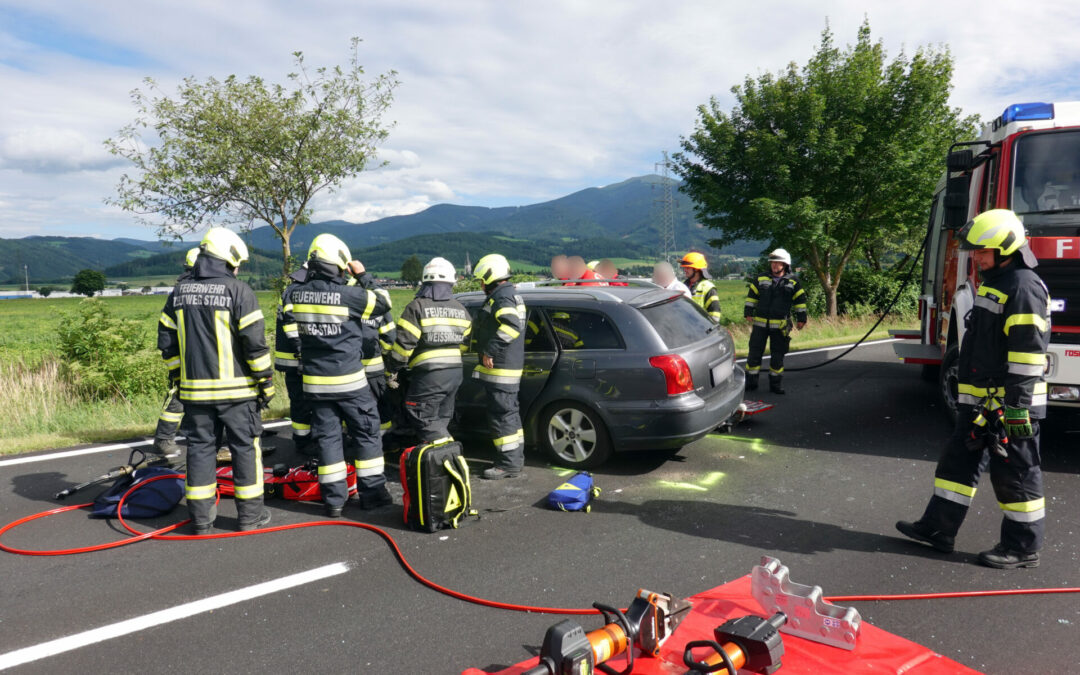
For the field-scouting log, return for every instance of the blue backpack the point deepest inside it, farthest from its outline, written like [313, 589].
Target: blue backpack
[156, 499]
[576, 494]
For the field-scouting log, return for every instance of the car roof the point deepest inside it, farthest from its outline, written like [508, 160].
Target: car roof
[632, 294]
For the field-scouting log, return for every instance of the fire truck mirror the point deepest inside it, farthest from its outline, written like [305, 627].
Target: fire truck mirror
[956, 202]
[960, 160]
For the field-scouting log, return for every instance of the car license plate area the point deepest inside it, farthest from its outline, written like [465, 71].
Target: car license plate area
[721, 372]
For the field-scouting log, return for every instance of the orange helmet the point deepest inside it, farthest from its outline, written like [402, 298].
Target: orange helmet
[695, 260]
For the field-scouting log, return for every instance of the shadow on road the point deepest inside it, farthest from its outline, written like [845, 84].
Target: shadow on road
[766, 528]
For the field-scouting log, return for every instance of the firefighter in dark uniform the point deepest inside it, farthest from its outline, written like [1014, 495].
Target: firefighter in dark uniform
[287, 362]
[1002, 395]
[327, 314]
[432, 332]
[702, 291]
[500, 337]
[213, 331]
[769, 303]
[172, 410]
[379, 333]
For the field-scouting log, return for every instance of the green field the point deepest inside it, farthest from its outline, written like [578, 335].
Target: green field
[42, 410]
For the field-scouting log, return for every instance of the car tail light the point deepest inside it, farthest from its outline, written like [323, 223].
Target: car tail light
[676, 373]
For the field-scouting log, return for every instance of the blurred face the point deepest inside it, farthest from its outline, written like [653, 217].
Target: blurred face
[984, 259]
[663, 275]
[777, 268]
[559, 268]
[607, 271]
[577, 270]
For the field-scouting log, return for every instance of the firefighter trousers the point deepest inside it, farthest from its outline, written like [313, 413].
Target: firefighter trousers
[377, 384]
[243, 426]
[360, 416]
[172, 413]
[505, 419]
[778, 340]
[299, 409]
[429, 402]
[1017, 482]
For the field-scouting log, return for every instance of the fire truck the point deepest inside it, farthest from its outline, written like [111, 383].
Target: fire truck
[1027, 160]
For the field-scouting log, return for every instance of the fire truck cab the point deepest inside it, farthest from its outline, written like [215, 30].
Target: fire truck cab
[1027, 160]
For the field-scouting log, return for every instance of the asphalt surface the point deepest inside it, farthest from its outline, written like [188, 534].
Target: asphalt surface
[818, 483]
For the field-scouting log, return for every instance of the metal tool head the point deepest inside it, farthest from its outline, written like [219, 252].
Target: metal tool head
[656, 616]
[809, 615]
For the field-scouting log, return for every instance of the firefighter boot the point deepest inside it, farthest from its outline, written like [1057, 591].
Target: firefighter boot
[751, 381]
[1003, 559]
[375, 497]
[774, 384]
[920, 531]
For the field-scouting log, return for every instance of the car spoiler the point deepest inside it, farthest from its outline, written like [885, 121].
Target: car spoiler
[660, 296]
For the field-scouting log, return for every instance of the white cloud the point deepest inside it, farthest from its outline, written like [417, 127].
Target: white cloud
[500, 103]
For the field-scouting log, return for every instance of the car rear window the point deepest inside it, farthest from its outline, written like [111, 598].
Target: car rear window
[679, 322]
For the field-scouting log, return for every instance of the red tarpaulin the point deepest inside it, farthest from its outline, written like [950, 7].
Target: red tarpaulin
[876, 651]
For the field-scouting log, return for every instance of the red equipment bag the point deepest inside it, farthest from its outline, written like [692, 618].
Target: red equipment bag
[300, 483]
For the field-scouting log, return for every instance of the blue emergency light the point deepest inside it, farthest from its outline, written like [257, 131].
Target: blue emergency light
[1023, 112]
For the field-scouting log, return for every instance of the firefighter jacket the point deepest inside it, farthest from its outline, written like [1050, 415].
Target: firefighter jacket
[285, 359]
[499, 329]
[324, 320]
[379, 332]
[704, 294]
[212, 334]
[1003, 352]
[432, 332]
[770, 301]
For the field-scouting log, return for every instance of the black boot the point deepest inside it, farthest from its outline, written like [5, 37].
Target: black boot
[774, 384]
[920, 531]
[751, 382]
[374, 498]
[1002, 558]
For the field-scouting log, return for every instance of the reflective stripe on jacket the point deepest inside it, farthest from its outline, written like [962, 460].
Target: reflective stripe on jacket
[500, 333]
[770, 300]
[431, 334]
[704, 294]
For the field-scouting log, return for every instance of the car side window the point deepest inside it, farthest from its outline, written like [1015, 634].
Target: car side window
[576, 329]
[474, 311]
[537, 336]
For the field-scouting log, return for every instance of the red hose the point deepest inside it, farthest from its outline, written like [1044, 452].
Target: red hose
[161, 535]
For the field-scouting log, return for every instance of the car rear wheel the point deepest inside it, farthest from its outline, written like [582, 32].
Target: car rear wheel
[949, 382]
[572, 435]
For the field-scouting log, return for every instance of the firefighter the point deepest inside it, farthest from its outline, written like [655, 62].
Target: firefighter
[172, 410]
[1002, 395]
[287, 362]
[323, 319]
[500, 339]
[212, 337]
[379, 333]
[769, 303]
[702, 291]
[431, 335]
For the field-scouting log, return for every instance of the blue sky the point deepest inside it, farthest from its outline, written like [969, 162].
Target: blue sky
[501, 103]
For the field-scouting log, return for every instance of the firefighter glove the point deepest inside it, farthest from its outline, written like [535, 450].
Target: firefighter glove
[391, 380]
[1018, 423]
[266, 393]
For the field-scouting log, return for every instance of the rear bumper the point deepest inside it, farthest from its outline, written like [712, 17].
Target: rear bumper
[672, 422]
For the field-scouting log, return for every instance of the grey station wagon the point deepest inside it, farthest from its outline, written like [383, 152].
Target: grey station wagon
[612, 368]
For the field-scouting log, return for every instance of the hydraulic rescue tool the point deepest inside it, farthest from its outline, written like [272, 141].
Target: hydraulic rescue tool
[809, 615]
[748, 643]
[649, 621]
[136, 460]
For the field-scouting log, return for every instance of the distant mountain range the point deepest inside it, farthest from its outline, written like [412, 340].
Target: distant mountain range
[616, 221]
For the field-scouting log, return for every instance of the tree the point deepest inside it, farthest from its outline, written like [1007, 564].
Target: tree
[241, 151]
[45, 291]
[147, 290]
[835, 161]
[88, 282]
[412, 270]
[122, 286]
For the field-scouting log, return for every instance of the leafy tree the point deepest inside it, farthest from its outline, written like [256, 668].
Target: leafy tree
[834, 161]
[240, 151]
[122, 286]
[45, 291]
[412, 270]
[88, 282]
[146, 290]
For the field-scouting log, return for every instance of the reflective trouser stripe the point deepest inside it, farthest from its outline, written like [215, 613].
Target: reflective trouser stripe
[511, 442]
[775, 371]
[331, 473]
[753, 369]
[1025, 512]
[300, 429]
[167, 416]
[369, 467]
[255, 490]
[200, 491]
[385, 427]
[954, 492]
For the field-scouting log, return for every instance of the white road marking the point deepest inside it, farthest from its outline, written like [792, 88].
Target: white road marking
[102, 448]
[139, 623]
[829, 349]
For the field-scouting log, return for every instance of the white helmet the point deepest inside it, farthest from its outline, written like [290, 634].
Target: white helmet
[780, 255]
[439, 269]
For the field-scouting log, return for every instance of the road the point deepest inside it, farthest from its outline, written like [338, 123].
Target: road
[818, 482]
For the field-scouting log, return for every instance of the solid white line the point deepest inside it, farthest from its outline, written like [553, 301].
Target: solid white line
[115, 630]
[829, 349]
[102, 448]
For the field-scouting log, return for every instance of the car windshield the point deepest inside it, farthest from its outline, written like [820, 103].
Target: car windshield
[1046, 173]
[679, 322]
